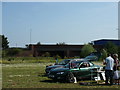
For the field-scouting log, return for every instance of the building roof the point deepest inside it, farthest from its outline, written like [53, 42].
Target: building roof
[107, 40]
[104, 41]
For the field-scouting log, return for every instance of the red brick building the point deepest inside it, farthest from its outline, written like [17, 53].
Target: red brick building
[61, 50]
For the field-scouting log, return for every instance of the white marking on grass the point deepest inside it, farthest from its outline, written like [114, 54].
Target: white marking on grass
[18, 75]
[10, 80]
[26, 65]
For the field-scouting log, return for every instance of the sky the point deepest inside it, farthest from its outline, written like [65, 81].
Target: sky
[0, 18]
[53, 22]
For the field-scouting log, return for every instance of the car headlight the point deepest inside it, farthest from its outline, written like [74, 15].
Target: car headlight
[48, 72]
[60, 72]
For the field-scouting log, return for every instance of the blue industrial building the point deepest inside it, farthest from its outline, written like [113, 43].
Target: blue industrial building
[104, 41]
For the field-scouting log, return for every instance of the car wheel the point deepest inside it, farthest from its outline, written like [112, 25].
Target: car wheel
[70, 78]
[54, 80]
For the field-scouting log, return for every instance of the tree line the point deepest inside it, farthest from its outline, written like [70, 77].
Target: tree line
[85, 51]
[108, 48]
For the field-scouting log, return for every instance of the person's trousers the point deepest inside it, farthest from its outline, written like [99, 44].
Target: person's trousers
[109, 75]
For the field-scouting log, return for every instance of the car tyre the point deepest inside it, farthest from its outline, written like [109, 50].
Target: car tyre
[54, 80]
[70, 78]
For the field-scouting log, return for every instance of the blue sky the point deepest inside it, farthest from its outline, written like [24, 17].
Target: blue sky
[1, 18]
[54, 22]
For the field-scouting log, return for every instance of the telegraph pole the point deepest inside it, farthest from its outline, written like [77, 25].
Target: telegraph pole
[30, 35]
[118, 34]
[118, 30]
[118, 20]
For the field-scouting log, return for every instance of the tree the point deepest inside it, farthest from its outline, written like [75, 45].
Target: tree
[47, 54]
[119, 52]
[13, 51]
[111, 48]
[38, 43]
[104, 54]
[61, 43]
[4, 42]
[27, 46]
[57, 56]
[86, 50]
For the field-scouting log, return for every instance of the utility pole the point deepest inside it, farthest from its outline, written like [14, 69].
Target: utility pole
[16, 45]
[118, 34]
[30, 35]
[118, 21]
[118, 30]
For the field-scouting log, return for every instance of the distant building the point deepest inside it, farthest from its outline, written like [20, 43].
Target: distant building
[105, 41]
[61, 50]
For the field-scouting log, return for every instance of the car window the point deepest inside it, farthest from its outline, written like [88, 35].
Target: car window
[85, 64]
[64, 62]
[79, 64]
[91, 64]
[73, 64]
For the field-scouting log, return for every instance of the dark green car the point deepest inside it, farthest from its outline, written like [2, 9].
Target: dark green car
[80, 69]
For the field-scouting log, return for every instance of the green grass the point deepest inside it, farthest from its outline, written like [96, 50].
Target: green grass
[31, 75]
[16, 60]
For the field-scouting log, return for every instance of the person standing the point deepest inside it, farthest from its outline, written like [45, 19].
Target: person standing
[109, 62]
[116, 62]
[56, 60]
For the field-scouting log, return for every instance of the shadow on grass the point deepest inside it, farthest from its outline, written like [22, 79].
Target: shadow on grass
[94, 84]
[52, 81]
[42, 75]
[49, 81]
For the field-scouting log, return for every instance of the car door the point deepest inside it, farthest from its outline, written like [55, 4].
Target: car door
[93, 70]
[83, 71]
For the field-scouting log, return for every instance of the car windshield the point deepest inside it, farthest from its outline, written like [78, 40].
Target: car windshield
[74, 64]
[64, 62]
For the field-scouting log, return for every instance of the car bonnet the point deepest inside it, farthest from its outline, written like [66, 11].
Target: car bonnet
[59, 69]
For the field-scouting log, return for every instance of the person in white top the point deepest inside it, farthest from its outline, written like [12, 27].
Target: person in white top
[109, 62]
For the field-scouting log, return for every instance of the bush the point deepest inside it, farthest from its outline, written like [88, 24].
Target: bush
[111, 48]
[12, 52]
[86, 50]
[104, 54]
[57, 56]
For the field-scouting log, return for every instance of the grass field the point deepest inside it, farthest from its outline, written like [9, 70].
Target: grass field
[31, 75]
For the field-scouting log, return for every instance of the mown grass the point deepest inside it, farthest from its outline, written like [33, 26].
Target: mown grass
[31, 75]
[15, 60]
